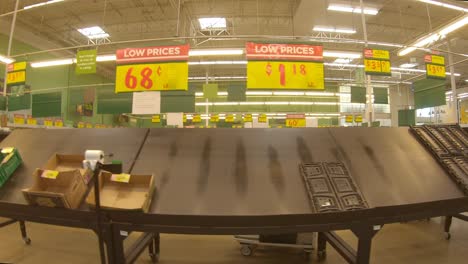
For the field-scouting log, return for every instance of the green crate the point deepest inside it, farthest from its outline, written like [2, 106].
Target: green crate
[10, 161]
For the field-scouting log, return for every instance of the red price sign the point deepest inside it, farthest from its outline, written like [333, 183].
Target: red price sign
[152, 77]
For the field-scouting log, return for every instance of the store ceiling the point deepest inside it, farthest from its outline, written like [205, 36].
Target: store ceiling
[398, 21]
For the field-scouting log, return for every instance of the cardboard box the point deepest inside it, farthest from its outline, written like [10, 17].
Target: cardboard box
[134, 195]
[66, 190]
[62, 163]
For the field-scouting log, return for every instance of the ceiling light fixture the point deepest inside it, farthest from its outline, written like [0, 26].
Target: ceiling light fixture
[52, 63]
[342, 54]
[43, 4]
[6, 60]
[408, 65]
[106, 58]
[351, 9]
[95, 32]
[343, 61]
[437, 3]
[217, 62]
[215, 52]
[334, 30]
[212, 23]
[435, 36]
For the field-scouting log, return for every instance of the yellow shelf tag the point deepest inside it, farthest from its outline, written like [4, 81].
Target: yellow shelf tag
[123, 177]
[50, 174]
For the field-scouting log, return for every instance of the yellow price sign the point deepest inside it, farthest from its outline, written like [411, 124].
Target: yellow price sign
[214, 118]
[285, 75]
[434, 59]
[349, 119]
[229, 118]
[156, 119]
[18, 119]
[295, 122]
[17, 66]
[81, 125]
[89, 125]
[48, 122]
[151, 77]
[184, 118]
[377, 54]
[358, 118]
[248, 118]
[58, 123]
[377, 66]
[16, 77]
[196, 118]
[437, 71]
[50, 174]
[262, 118]
[123, 177]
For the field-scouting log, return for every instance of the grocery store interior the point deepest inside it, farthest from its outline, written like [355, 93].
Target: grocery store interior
[233, 131]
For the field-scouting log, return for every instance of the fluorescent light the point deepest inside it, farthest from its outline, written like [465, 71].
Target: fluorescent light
[222, 93]
[334, 30]
[252, 103]
[301, 103]
[226, 103]
[435, 36]
[408, 65]
[277, 103]
[342, 61]
[351, 9]
[288, 93]
[343, 65]
[52, 63]
[385, 44]
[259, 93]
[6, 60]
[93, 32]
[216, 62]
[444, 5]
[212, 23]
[199, 94]
[327, 103]
[43, 4]
[203, 104]
[106, 58]
[342, 54]
[215, 52]
[466, 80]
[319, 94]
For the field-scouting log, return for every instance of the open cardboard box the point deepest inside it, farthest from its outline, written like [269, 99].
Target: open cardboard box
[61, 163]
[66, 190]
[134, 195]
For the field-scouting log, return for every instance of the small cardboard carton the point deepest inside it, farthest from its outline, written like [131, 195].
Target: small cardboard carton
[124, 191]
[61, 163]
[56, 189]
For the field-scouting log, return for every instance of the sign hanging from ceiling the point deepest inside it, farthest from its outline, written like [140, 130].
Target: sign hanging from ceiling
[86, 61]
[295, 120]
[16, 73]
[435, 66]
[377, 62]
[162, 68]
[284, 66]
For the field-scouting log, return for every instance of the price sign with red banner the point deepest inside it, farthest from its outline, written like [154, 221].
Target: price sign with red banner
[18, 119]
[435, 66]
[16, 73]
[160, 68]
[284, 66]
[295, 120]
[377, 62]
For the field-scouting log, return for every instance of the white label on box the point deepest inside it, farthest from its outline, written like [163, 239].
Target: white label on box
[120, 177]
[123, 233]
[50, 174]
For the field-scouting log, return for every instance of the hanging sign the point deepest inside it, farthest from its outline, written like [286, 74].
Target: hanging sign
[18, 119]
[349, 119]
[86, 61]
[214, 118]
[196, 118]
[377, 62]
[262, 118]
[16, 73]
[284, 66]
[161, 68]
[295, 120]
[435, 66]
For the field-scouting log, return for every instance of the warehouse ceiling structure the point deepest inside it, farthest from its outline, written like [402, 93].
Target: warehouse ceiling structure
[52, 27]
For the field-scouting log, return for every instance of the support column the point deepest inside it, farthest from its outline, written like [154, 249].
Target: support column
[454, 103]
[369, 109]
[10, 40]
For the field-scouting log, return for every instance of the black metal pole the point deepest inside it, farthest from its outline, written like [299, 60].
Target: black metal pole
[97, 201]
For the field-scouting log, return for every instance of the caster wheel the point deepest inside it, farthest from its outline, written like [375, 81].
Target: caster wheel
[448, 236]
[27, 240]
[154, 258]
[321, 255]
[246, 250]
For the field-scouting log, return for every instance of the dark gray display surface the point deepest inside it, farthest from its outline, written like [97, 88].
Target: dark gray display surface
[255, 171]
[38, 145]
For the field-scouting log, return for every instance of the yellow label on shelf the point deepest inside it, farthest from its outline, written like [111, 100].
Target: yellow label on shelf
[16, 77]
[214, 118]
[248, 118]
[89, 125]
[262, 118]
[349, 119]
[58, 123]
[156, 119]
[295, 122]
[80, 125]
[32, 121]
[48, 122]
[151, 77]
[18, 119]
[7, 150]
[377, 66]
[50, 174]
[196, 118]
[285, 75]
[433, 70]
[184, 118]
[358, 118]
[229, 118]
[123, 177]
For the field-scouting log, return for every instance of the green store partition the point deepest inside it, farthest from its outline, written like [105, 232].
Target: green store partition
[21, 102]
[380, 95]
[3, 101]
[358, 94]
[177, 102]
[47, 104]
[429, 93]
[407, 117]
[210, 90]
[108, 102]
[236, 93]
